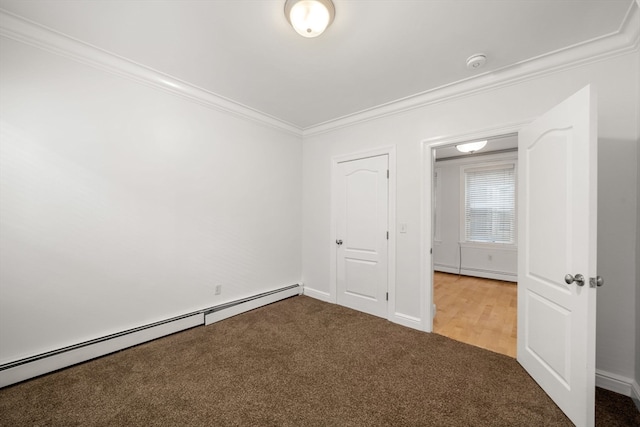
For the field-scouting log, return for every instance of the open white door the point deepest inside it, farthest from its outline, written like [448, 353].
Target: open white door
[557, 235]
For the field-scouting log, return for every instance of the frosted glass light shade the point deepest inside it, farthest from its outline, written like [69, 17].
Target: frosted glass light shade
[309, 17]
[471, 147]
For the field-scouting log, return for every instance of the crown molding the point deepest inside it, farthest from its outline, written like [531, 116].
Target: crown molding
[623, 41]
[24, 31]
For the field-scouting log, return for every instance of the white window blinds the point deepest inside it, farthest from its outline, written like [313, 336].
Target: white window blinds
[490, 204]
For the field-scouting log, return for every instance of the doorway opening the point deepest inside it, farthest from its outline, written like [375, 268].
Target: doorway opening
[474, 235]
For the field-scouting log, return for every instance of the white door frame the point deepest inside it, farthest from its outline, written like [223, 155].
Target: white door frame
[391, 273]
[426, 212]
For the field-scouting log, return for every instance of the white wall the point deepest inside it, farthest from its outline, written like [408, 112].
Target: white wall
[480, 260]
[637, 314]
[616, 81]
[637, 317]
[123, 205]
[617, 169]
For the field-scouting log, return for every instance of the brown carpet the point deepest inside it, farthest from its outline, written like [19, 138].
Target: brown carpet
[298, 362]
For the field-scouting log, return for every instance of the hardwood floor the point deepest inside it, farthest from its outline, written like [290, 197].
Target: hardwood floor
[480, 312]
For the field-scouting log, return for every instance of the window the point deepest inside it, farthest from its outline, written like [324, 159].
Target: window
[490, 204]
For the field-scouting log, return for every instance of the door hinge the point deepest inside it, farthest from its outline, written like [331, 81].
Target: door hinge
[387, 235]
[431, 251]
[387, 173]
[387, 296]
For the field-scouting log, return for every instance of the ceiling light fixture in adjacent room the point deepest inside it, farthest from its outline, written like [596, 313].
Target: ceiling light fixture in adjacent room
[471, 147]
[309, 17]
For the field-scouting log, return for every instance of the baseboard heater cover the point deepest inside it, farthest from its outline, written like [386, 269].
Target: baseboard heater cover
[225, 311]
[31, 367]
[40, 364]
[477, 272]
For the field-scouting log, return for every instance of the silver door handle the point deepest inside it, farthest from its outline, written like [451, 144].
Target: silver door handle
[338, 242]
[578, 278]
[596, 281]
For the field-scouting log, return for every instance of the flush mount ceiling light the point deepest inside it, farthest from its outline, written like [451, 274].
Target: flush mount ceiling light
[309, 17]
[471, 147]
[476, 61]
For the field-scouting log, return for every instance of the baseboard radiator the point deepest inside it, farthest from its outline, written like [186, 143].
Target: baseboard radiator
[224, 311]
[33, 366]
[477, 272]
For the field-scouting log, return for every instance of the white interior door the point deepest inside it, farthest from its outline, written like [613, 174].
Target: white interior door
[557, 231]
[362, 205]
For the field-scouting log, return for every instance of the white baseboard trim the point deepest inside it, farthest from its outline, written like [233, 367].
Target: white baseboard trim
[62, 358]
[614, 382]
[31, 367]
[406, 320]
[399, 318]
[238, 307]
[314, 293]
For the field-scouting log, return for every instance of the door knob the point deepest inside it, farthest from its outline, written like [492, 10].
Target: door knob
[338, 242]
[596, 281]
[578, 278]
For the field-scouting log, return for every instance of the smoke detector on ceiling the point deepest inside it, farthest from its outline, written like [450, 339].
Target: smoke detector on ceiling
[476, 61]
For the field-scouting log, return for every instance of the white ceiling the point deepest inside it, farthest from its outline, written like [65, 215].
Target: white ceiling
[375, 52]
